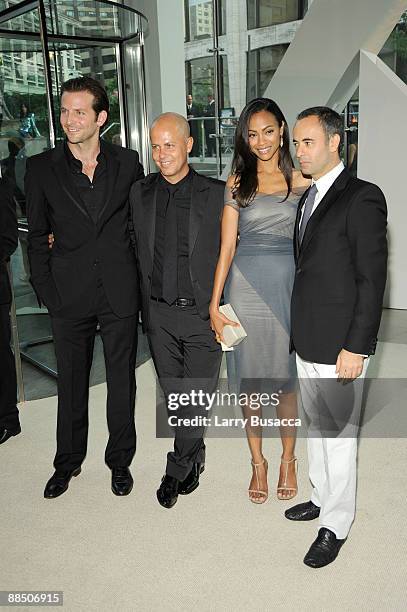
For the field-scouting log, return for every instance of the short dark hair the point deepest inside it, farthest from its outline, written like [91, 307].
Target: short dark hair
[330, 120]
[100, 99]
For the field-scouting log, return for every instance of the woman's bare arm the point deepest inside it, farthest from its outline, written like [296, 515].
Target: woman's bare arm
[229, 230]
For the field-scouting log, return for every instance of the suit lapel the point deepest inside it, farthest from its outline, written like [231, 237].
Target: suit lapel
[297, 224]
[113, 166]
[60, 167]
[149, 207]
[324, 205]
[199, 196]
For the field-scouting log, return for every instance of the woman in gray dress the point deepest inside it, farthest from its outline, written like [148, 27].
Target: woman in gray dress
[256, 272]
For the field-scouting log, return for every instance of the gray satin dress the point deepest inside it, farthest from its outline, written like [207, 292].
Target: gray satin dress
[259, 287]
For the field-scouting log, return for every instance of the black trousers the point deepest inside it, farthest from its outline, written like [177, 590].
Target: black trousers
[8, 384]
[74, 341]
[186, 357]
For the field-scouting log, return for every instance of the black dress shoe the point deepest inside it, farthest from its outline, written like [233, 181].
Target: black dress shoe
[324, 550]
[5, 434]
[191, 482]
[167, 494]
[303, 512]
[59, 482]
[122, 481]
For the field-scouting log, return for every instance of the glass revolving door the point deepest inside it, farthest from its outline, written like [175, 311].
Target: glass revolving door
[42, 44]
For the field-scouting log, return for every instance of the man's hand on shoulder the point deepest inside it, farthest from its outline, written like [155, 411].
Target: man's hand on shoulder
[349, 365]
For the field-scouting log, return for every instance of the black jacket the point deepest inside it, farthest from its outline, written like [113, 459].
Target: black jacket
[8, 237]
[204, 236]
[65, 277]
[340, 272]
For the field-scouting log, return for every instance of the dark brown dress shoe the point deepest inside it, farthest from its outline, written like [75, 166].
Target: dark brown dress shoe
[167, 494]
[307, 511]
[5, 433]
[191, 482]
[324, 550]
[59, 483]
[122, 481]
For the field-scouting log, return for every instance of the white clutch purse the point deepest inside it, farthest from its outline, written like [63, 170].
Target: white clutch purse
[232, 335]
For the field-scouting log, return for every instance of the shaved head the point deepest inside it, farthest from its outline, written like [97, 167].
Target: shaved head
[171, 120]
[171, 143]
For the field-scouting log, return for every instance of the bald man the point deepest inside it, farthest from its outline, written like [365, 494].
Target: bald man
[176, 216]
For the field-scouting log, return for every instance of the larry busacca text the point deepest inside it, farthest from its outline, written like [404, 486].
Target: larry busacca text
[208, 401]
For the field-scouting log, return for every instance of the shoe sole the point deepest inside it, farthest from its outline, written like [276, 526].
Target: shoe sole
[302, 520]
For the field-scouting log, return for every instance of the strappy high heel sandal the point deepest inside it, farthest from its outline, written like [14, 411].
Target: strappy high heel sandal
[284, 487]
[263, 495]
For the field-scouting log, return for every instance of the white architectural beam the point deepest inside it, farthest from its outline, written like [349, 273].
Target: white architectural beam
[321, 64]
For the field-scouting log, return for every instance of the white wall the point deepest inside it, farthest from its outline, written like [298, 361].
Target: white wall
[382, 160]
[164, 55]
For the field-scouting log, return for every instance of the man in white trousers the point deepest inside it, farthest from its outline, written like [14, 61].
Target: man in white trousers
[341, 261]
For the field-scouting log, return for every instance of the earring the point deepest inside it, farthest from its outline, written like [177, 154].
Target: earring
[281, 142]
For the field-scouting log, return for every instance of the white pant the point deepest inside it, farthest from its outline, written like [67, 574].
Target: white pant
[333, 409]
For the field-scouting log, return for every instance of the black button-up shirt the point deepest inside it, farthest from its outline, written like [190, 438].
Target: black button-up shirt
[180, 193]
[92, 193]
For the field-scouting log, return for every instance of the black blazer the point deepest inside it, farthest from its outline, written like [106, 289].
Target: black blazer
[8, 237]
[340, 272]
[204, 236]
[64, 277]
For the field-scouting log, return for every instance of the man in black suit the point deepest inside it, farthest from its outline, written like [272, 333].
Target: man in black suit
[341, 260]
[9, 420]
[176, 216]
[193, 113]
[79, 192]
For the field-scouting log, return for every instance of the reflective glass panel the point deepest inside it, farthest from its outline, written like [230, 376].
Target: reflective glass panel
[394, 52]
[199, 19]
[98, 62]
[262, 64]
[90, 18]
[262, 13]
[28, 22]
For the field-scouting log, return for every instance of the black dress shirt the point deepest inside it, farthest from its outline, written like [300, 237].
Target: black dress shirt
[173, 199]
[92, 193]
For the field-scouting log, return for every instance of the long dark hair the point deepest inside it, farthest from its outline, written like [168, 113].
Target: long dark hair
[244, 163]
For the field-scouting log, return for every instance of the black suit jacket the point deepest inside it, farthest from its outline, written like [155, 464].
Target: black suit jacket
[340, 272]
[65, 277]
[193, 111]
[204, 236]
[8, 237]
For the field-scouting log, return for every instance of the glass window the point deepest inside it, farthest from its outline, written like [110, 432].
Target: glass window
[200, 79]
[200, 83]
[199, 19]
[261, 66]
[262, 13]
[394, 52]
